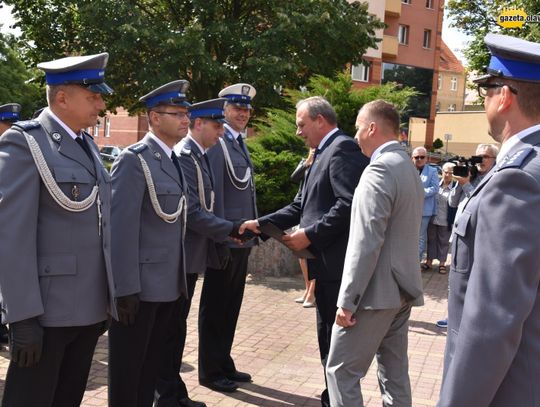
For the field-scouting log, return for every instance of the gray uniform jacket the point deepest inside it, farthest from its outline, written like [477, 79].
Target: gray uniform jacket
[55, 264]
[203, 227]
[382, 253]
[493, 347]
[231, 203]
[147, 252]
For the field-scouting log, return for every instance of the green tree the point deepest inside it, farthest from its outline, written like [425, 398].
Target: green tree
[276, 150]
[437, 143]
[479, 17]
[272, 45]
[16, 85]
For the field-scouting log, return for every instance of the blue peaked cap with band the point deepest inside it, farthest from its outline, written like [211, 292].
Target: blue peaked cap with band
[512, 58]
[239, 94]
[87, 71]
[172, 93]
[10, 112]
[209, 109]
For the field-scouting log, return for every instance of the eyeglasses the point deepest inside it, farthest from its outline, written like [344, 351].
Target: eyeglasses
[485, 157]
[448, 172]
[179, 115]
[419, 157]
[483, 88]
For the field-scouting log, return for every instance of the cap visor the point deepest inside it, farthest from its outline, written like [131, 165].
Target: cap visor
[100, 88]
[482, 78]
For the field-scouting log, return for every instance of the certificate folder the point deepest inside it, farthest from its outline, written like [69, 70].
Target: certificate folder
[273, 231]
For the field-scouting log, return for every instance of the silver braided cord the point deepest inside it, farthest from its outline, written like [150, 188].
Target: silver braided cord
[230, 169]
[200, 186]
[167, 217]
[51, 185]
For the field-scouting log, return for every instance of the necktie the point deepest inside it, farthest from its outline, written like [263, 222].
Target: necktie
[174, 159]
[208, 169]
[241, 142]
[81, 142]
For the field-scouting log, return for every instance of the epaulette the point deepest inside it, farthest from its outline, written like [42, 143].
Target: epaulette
[229, 136]
[186, 149]
[138, 148]
[516, 160]
[26, 125]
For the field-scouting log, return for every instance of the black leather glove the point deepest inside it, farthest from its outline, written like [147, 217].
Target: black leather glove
[244, 237]
[26, 342]
[127, 308]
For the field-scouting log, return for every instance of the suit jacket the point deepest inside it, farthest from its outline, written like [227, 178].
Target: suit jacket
[430, 182]
[148, 253]
[203, 227]
[382, 253]
[232, 204]
[323, 206]
[493, 347]
[55, 264]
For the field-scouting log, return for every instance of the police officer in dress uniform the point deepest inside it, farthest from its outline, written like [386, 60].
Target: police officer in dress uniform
[148, 217]
[203, 230]
[55, 280]
[223, 287]
[9, 114]
[492, 352]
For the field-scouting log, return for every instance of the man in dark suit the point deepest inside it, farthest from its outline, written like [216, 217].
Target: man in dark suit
[381, 279]
[492, 355]
[223, 287]
[148, 220]
[322, 208]
[56, 280]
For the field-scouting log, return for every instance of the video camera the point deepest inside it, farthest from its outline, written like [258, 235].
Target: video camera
[466, 166]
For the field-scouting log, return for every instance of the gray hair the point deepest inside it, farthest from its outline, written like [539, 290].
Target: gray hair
[492, 149]
[418, 149]
[317, 105]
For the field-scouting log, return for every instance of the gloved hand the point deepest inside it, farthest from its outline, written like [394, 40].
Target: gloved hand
[26, 342]
[244, 237]
[127, 308]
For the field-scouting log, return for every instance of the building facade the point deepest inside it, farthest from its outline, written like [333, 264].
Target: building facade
[119, 129]
[451, 82]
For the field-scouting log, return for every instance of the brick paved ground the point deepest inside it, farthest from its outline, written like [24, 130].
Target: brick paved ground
[276, 343]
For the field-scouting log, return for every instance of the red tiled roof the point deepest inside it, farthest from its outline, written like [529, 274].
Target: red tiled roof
[449, 62]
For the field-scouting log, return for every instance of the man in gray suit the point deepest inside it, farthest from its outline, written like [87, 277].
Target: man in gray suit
[223, 287]
[148, 220]
[493, 347]
[381, 279]
[55, 281]
[203, 230]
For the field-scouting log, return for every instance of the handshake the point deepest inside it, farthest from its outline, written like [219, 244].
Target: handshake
[243, 230]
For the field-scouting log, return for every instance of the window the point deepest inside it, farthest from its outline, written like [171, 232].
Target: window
[438, 107]
[403, 34]
[453, 83]
[427, 39]
[429, 3]
[360, 73]
[439, 82]
[107, 127]
[96, 128]
[452, 107]
[406, 1]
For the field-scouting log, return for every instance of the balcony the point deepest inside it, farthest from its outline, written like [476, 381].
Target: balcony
[392, 8]
[389, 46]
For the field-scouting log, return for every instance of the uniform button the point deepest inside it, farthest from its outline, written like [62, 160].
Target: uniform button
[147, 259]
[47, 270]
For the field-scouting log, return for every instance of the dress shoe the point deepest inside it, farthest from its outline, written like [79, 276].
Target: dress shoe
[224, 385]
[239, 377]
[308, 304]
[300, 300]
[187, 402]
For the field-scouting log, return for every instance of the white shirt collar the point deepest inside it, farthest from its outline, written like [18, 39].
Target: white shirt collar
[202, 150]
[235, 133]
[379, 149]
[166, 149]
[514, 143]
[325, 138]
[64, 125]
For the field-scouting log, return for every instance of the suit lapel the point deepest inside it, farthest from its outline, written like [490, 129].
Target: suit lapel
[166, 163]
[196, 152]
[66, 145]
[234, 144]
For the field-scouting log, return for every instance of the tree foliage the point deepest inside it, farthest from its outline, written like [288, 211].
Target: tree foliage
[15, 79]
[273, 44]
[479, 17]
[276, 150]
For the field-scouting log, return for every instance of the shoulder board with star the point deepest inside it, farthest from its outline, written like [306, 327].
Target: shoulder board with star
[138, 148]
[228, 136]
[186, 149]
[26, 125]
[517, 159]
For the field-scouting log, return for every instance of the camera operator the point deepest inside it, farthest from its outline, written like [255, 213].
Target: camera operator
[466, 185]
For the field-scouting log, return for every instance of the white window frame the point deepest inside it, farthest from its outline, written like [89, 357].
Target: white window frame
[453, 83]
[403, 34]
[107, 127]
[439, 82]
[429, 4]
[426, 43]
[360, 73]
[406, 1]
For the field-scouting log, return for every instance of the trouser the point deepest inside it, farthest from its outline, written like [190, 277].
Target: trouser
[59, 379]
[170, 387]
[221, 299]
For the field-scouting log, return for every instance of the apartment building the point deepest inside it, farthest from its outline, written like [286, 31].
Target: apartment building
[451, 82]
